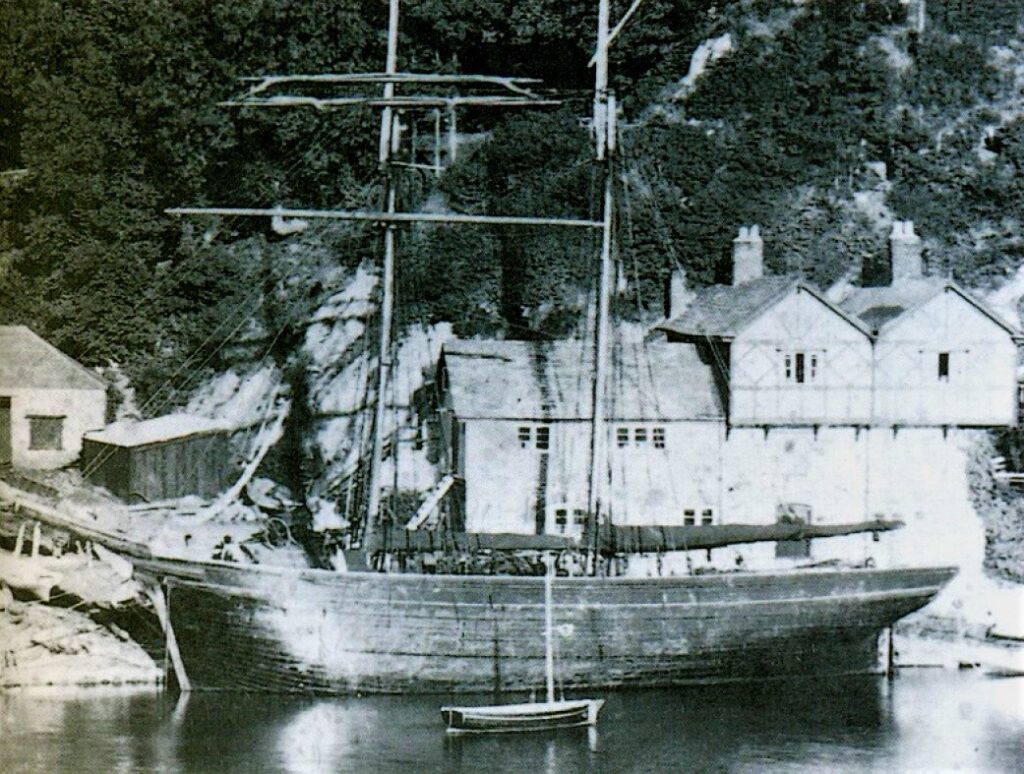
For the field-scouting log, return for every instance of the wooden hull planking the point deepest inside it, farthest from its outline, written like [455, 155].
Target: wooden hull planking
[258, 629]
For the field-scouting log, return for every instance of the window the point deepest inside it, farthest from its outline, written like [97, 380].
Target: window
[659, 437]
[800, 367]
[46, 433]
[543, 437]
[707, 517]
[561, 519]
[640, 436]
[525, 436]
[943, 366]
[568, 520]
[689, 517]
[622, 437]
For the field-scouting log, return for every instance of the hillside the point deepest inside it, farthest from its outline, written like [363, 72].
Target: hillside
[822, 121]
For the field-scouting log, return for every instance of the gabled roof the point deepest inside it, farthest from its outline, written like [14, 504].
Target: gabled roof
[29, 361]
[881, 307]
[552, 380]
[723, 311]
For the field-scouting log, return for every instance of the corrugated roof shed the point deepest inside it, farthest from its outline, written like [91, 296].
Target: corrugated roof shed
[166, 428]
[552, 380]
[28, 360]
[721, 311]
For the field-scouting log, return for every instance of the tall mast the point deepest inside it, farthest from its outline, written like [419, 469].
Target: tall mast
[604, 145]
[388, 135]
[549, 645]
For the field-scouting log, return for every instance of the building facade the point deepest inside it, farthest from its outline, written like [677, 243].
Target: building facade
[47, 402]
[765, 393]
[516, 419]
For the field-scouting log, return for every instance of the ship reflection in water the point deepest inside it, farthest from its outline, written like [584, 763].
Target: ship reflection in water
[928, 720]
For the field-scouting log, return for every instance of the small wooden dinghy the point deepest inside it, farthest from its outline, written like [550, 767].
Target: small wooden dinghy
[530, 716]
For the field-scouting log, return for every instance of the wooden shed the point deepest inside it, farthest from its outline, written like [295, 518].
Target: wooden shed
[159, 459]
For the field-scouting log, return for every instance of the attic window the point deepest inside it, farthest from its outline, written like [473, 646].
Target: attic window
[800, 367]
[46, 433]
[943, 366]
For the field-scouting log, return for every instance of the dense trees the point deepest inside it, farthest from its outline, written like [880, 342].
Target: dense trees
[109, 114]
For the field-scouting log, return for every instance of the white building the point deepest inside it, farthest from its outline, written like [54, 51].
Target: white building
[47, 402]
[516, 417]
[765, 393]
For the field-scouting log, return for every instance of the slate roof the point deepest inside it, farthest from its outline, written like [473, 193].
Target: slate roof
[29, 361]
[723, 311]
[161, 429]
[880, 306]
[552, 380]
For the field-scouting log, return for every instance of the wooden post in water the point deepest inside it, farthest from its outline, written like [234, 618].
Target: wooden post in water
[890, 657]
[156, 596]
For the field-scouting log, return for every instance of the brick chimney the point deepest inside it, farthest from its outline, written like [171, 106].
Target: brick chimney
[905, 252]
[747, 255]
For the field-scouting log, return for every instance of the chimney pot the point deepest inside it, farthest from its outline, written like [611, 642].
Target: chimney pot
[678, 296]
[905, 252]
[747, 255]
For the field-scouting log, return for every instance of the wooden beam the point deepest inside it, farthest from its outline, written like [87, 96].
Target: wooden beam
[156, 596]
[386, 217]
[263, 83]
[415, 101]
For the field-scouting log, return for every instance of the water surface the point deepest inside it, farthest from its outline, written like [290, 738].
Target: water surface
[926, 721]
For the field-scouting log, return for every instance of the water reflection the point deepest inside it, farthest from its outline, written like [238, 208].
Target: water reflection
[925, 721]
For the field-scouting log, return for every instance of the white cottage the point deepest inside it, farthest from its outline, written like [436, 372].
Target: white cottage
[47, 402]
[516, 418]
[941, 356]
[919, 352]
[784, 354]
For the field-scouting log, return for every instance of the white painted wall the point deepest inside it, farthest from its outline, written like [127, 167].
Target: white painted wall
[838, 392]
[83, 410]
[648, 485]
[981, 387]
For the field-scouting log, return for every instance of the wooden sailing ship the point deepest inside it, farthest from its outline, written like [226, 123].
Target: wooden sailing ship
[259, 628]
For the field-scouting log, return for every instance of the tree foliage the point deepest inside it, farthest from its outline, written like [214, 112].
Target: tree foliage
[109, 115]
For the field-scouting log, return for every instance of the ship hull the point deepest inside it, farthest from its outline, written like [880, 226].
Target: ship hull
[258, 629]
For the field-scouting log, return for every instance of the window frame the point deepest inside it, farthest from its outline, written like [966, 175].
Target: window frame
[542, 437]
[35, 443]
